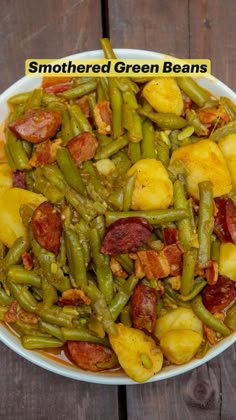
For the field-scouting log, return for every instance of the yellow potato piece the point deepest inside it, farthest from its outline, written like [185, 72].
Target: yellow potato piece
[227, 260]
[130, 345]
[205, 162]
[164, 95]
[5, 176]
[10, 220]
[180, 346]
[178, 319]
[153, 188]
[227, 145]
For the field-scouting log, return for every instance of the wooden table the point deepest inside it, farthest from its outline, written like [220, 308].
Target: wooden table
[56, 28]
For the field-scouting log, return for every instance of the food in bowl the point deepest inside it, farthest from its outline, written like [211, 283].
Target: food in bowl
[118, 221]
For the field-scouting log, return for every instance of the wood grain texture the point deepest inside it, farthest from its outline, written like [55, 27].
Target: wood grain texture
[44, 29]
[155, 25]
[212, 35]
[29, 392]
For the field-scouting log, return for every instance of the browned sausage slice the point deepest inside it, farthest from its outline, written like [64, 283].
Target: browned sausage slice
[216, 297]
[82, 147]
[91, 356]
[47, 226]
[126, 235]
[144, 308]
[37, 125]
[19, 179]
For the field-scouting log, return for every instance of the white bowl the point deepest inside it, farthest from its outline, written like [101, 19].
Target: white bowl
[29, 83]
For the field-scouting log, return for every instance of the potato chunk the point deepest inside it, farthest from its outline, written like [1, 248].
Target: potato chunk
[5, 176]
[205, 162]
[227, 266]
[178, 319]
[164, 95]
[180, 346]
[137, 353]
[10, 220]
[153, 188]
[227, 145]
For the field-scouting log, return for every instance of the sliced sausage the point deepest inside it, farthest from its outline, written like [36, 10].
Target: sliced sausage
[37, 125]
[144, 308]
[82, 147]
[45, 152]
[91, 356]
[230, 209]
[126, 235]
[27, 259]
[19, 179]
[216, 297]
[47, 226]
[170, 236]
[225, 220]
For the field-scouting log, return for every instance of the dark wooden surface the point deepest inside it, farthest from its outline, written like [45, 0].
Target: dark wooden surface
[54, 28]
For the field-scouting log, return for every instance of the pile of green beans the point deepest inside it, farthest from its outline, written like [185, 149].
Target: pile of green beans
[90, 200]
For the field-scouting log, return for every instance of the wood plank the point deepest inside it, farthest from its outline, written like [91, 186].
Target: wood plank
[212, 35]
[45, 29]
[149, 25]
[228, 383]
[30, 392]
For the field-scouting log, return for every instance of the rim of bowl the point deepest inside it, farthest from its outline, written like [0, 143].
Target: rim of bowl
[112, 378]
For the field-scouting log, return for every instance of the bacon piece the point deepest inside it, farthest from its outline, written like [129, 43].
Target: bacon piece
[217, 297]
[16, 313]
[225, 220]
[157, 265]
[73, 297]
[27, 259]
[91, 356]
[103, 117]
[58, 88]
[212, 272]
[19, 179]
[47, 226]
[126, 235]
[45, 153]
[117, 269]
[170, 236]
[37, 125]
[212, 115]
[82, 147]
[210, 334]
[54, 81]
[144, 308]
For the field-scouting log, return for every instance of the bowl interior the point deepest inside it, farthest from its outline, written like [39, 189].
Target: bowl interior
[112, 378]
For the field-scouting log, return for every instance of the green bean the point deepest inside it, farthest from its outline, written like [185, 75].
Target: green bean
[116, 106]
[134, 152]
[20, 246]
[46, 260]
[103, 139]
[162, 152]
[76, 260]
[198, 285]
[132, 123]
[49, 97]
[19, 275]
[55, 176]
[198, 94]
[49, 294]
[2, 250]
[100, 92]
[80, 90]
[75, 127]
[37, 293]
[155, 217]
[107, 48]
[99, 224]
[193, 119]
[112, 148]
[9, 157]
[185, 230]
[122, 162]
[46, 188]
[230, 319]
[122, 297]
[51, 329]
[215, 250]
[34, 100]
[82, 334]
[116, 199]
[166, 121]
[104, 84]
[5, 300]
[205, 222]
[229, 106]
[128, 192]
[126, 262]
[207, 318]
[101, 309]
[92, 103]
[70, 170]
[28, 147]
[19, 98]
[148, 141]
[174, 144]
[189, 265]
[16, 151]
[23, 296]
[3, 310]
[79, 205]
[81, 119]
[229, 128]
[31, 342]
[125, 316]
[55, 315]
[173, 296]
[102, 266]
